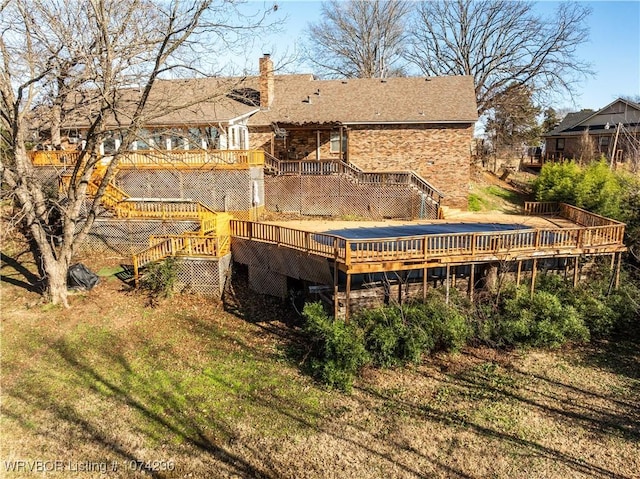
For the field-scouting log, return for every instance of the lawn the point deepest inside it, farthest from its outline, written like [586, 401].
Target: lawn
[200, 388]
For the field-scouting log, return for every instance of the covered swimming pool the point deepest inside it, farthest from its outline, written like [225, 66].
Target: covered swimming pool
[398, 231]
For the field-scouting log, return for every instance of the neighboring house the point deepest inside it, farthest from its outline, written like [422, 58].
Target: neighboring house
[420, 124]
[620, 119]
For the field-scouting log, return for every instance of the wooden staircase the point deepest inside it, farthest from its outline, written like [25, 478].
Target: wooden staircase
[431, 196]
[212, 238]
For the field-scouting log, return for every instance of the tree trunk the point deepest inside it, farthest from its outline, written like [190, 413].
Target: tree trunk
[57, 281]
[56, 140]
[491, 277]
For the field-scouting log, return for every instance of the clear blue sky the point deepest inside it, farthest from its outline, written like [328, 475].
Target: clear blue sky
[613, 48]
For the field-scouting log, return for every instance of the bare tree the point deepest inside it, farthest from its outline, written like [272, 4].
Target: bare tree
[500, 43]
[76, 59]
[586, 148]
[512, 123]
[359, 38]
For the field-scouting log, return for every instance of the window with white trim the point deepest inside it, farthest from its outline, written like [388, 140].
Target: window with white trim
[335, 142]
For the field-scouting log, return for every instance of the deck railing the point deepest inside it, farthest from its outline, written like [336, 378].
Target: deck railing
[337, 167]
[599, 227]
[54, 157]
[426, 247]
[541, 208]
[162, 247]
[160, 158]
[191, 158]
[584, 217]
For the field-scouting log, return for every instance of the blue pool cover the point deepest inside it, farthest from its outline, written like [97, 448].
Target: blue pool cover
[381, 232]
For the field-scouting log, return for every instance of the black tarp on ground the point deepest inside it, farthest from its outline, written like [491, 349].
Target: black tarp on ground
[81, 277]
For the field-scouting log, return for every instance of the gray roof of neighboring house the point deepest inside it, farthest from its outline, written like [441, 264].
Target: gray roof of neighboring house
[570, 120]
[572, 123]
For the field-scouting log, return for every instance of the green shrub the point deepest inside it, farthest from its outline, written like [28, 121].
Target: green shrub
[399, 334]
[160, 278]
[541, 320]
[337, 351]
[599, 190]
[384, 330]
[557, 182]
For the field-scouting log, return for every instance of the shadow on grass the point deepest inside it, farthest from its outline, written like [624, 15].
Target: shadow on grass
[274, 315]
[171, 411]
[162, 404]
[30, 281]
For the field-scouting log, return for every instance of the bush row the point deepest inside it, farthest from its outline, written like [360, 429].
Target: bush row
[395, 335]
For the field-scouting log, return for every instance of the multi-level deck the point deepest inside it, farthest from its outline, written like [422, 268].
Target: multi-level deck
[332, 259]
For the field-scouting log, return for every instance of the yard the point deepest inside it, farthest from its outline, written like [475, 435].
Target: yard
[199, 388]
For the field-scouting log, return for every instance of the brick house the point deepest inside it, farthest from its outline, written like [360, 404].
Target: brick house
[620, 119]
[420, 124]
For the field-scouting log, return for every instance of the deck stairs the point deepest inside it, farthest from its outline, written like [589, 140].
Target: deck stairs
[211, 238]
[430, 195]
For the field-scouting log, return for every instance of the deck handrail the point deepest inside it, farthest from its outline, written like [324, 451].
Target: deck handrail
[54, 157]
[165, 246]
[541, 208]
[584, 217]
[199, 158]
[333, 167]
[423, 247]
[574, 214]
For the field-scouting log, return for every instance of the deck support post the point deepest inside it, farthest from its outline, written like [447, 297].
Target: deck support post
[576, 270]
[617, 283]
[424, 284]
[336, 305]
[519, 273]
[400, 281]
[348, 293]
[613, 261]
[534, 270]
[472, 282]
[447, 285]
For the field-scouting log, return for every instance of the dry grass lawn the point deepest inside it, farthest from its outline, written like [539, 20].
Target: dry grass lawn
[198, 388]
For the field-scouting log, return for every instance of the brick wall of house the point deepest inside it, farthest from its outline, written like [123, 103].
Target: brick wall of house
[441, 154]
[298, 145]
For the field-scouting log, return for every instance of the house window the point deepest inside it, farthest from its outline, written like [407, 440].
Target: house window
[110, 145]
[560, 144]
[335, 142]
[175, 141]
[604, 143]
[238, 137]
[142, 143]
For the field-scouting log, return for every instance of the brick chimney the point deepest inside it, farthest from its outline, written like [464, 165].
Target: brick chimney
[266, 81]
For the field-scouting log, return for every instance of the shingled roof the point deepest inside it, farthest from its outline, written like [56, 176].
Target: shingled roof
[570, 120]
[300, 99]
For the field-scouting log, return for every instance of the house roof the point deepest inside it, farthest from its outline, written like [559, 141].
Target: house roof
[181, 102]
[618, 111]
[300, 99]
[570, 120]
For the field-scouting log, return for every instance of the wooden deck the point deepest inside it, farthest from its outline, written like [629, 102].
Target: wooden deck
[161, 159]
[580, 232]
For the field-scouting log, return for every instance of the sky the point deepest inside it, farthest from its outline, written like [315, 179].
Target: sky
[613, 48]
